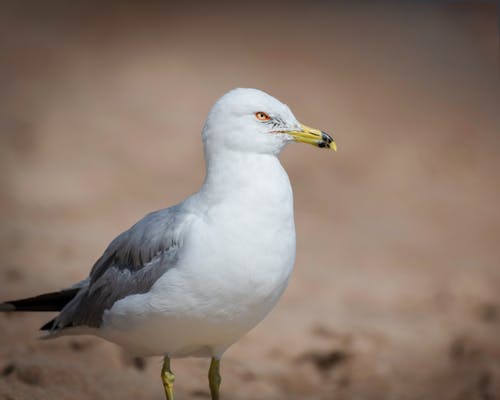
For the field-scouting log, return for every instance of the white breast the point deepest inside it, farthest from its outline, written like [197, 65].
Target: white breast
[238, 255]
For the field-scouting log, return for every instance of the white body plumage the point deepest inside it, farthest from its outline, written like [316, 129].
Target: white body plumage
[236, 255]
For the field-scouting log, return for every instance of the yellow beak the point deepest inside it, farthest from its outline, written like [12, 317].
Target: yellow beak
[313, 136]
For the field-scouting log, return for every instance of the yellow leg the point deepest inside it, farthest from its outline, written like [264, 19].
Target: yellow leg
[168, 379]
[214, 378]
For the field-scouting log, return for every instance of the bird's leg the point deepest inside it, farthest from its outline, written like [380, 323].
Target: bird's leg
[214, 378]
[168, 378]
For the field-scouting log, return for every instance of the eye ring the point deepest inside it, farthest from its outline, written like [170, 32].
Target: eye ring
[262, 116]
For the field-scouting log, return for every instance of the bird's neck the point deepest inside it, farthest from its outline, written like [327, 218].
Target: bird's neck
[234, 173]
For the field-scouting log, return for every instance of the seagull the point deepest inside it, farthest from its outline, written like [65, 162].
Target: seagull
[192, 279]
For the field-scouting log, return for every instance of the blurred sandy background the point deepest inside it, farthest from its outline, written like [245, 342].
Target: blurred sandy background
[396, 292]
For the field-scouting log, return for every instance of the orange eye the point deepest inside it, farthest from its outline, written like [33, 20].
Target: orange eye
[262, 116]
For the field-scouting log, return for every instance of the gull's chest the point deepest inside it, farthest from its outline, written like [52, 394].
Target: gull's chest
[247, 243]
[253, 237]
[245, 267]
[254, 224]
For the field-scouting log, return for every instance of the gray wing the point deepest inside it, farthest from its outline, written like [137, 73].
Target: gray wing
[131, 264]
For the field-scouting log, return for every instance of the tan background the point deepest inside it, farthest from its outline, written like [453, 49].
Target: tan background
[396, 292]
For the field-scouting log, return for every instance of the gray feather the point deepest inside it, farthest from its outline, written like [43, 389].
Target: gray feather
[131, 264]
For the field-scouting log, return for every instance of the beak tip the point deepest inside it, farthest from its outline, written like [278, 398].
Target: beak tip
[328, 141]
[315, 137]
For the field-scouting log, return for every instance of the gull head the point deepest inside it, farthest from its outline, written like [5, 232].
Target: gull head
[252, 121]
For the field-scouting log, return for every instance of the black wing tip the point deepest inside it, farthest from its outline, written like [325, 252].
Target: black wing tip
[5, 307]
[54, 301]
